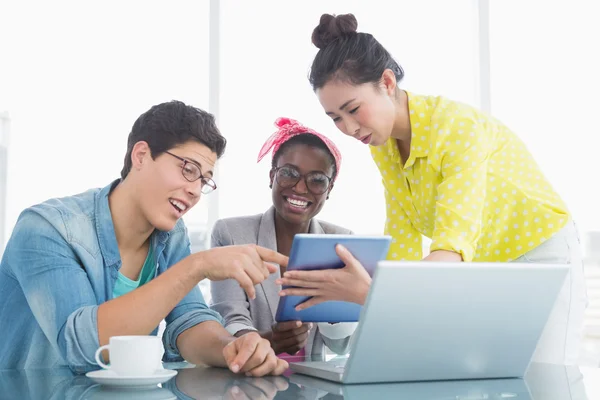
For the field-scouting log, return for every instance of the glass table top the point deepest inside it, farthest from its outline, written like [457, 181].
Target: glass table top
[542, 382]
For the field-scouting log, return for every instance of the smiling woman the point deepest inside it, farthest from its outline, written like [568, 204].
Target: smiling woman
[304, 173]
[304, 168]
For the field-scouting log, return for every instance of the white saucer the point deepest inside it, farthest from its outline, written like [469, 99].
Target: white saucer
[101, 392]
[110, 378]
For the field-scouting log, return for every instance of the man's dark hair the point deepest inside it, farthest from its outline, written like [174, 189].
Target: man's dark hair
[171, 124]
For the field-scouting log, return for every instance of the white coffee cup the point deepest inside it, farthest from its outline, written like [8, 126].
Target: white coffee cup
[132, 355]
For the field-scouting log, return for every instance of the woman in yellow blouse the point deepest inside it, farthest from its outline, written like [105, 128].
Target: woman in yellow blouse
[450, 173]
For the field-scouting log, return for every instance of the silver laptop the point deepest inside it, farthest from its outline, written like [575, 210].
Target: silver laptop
[426, 321]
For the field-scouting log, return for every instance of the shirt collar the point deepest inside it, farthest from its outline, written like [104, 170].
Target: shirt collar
[105, 228]
[420, 112]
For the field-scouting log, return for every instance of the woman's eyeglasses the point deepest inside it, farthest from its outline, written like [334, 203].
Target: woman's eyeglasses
[316, 182]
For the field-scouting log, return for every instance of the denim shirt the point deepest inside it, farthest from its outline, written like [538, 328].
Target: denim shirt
[60, 263]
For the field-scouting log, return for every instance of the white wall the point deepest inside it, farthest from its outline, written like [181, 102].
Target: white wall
[76, 75]
[545, 85]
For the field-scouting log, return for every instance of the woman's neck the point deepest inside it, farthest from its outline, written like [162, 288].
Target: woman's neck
[285, 232]
[401, 129]
[132, 229]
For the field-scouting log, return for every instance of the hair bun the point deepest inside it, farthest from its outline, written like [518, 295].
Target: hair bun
[332, 27]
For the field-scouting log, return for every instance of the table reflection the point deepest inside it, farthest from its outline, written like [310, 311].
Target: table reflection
[542, 382]
[220, 383]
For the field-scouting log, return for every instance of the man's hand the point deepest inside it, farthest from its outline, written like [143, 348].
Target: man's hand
[253, 355]
[288, 337]
[247, 264]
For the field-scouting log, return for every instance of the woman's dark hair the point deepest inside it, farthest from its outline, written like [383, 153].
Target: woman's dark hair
[348, 55]
[170, 124]
[307, 139]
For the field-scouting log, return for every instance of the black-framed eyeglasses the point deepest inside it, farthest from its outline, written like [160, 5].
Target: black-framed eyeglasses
[316, 182]
[191, 171]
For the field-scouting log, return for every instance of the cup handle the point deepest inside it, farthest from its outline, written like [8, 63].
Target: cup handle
[97, 356]
[161, 352]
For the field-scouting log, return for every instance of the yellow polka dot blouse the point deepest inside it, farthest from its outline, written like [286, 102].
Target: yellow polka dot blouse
[469, 184]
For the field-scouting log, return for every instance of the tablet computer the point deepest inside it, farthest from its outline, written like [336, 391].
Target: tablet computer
[317, 251]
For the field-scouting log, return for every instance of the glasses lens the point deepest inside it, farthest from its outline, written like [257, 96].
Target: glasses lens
[208, 185]
[191, 172]
[287, 177]
[317, 182]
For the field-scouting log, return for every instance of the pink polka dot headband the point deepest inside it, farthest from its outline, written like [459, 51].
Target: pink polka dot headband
[287, 128]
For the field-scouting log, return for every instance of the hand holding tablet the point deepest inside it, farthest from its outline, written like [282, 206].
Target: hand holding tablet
[328, 276]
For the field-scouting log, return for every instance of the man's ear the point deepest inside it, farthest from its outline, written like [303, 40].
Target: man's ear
[140, 154]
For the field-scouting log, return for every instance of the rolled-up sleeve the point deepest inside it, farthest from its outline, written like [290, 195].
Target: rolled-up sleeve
[463, 162]
[179, 320]
[192, 309]
[57, 289]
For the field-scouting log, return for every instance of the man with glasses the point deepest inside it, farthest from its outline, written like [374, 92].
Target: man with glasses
[116, 261]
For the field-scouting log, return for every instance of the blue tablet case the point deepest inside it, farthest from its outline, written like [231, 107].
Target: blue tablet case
[317, 251]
